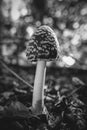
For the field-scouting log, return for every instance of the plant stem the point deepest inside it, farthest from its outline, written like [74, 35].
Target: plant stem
[15, 74]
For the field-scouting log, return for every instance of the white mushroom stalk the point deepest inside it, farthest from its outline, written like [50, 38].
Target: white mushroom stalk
[38, 92]
[43, 47]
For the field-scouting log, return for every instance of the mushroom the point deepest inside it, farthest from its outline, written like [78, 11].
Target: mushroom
[43, 47]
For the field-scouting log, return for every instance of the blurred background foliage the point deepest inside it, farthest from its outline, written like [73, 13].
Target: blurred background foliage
[20, 18]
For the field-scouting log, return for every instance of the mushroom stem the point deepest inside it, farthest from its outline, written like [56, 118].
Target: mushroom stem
[38, 92]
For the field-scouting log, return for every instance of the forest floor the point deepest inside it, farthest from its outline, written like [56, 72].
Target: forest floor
[65, 97]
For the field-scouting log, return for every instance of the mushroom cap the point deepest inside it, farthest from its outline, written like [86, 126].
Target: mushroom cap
[43, 45]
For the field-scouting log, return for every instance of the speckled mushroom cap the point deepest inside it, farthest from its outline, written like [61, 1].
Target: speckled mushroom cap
[43, 45]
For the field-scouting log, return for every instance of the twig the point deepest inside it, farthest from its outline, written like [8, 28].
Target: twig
[74, 91]
[16, 75]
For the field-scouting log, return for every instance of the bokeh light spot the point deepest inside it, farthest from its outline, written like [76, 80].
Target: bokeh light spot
[68, 60]
[30, 30]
